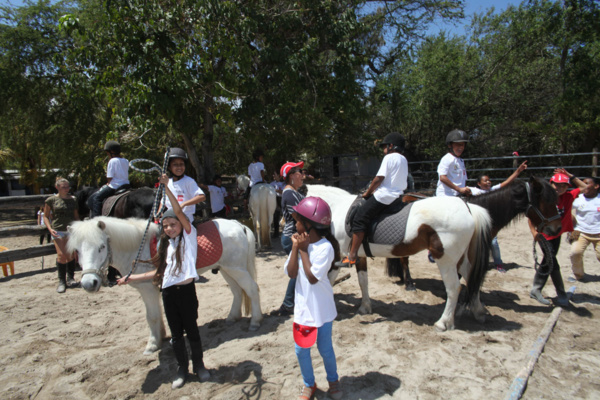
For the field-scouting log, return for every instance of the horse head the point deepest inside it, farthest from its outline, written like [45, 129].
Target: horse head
[242, 183]
[542, 210]
[92, 244]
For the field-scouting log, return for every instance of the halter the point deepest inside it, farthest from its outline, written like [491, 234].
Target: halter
[544, 221]
[103, 270]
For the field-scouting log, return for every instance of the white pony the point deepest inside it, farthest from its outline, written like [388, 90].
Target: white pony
[262, 204]
[456, 235]
[104, 241]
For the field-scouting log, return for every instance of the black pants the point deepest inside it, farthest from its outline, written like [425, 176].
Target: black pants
[220, 214]
[247, 193]
[181, 310]
[367, 213]
[97, 198]
[555, 274]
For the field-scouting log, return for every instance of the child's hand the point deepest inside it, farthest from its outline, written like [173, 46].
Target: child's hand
[303, 241]
[122, 281]
[522, 167]
[563, 171]
[164, 179]
[464, 191]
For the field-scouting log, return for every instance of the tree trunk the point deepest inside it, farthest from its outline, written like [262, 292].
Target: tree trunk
[207, 140]
[192, 155]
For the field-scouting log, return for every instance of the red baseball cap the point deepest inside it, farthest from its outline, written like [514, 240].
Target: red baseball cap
[285, 168]
[560, 178]
[305, 336]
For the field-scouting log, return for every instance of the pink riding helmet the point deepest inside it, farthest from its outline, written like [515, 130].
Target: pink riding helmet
[316, 210]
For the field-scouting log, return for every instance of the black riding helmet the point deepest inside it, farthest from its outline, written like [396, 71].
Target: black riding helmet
[457, 136]
[257, 154]
[395, 139]
[112, 147]
[176, 152]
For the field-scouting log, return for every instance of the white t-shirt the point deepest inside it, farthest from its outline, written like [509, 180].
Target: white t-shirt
[454, 168]
[313, 303]
[184, 189]
[188, 261]
[254, 172]
[394, 169]
[118, 170]
[475, 191]
[217, 197]
[587, 213]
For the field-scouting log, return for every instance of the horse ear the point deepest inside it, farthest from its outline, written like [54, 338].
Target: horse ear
[535, 183]
[101, 225]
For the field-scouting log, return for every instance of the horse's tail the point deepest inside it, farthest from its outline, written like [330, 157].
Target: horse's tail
[479, 249]
[251, 265]
[393, 267]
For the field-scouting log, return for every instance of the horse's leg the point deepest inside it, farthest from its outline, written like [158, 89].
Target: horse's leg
[477, 308]
[363, 281]
[451, 282]
[409, 284]
[151, 297]
[235, 314]
[250, 288]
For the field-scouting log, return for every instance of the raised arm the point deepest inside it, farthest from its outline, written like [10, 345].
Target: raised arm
[575, 180]
[164, 179]
[514, 175]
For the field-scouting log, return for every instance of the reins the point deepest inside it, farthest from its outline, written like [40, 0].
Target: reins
[155, 212]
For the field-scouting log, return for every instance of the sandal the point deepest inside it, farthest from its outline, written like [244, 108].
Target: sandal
[308, 392]
[345, 263]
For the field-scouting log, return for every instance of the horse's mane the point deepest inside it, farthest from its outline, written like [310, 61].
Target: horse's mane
[326, 191]
[125, 234]
[509, 203]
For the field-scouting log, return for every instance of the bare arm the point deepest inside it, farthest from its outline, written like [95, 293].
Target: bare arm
[164, 179]
[575, 180]
[47, 212]
[136, 278]
[514, 175]
[375, 183]
[194, 200]
[444, 179]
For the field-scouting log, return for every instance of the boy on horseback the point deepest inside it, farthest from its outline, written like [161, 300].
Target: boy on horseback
[117, 175]
[389, 184]
[451, 169]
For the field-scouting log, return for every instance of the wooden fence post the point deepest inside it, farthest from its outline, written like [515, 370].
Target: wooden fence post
[595, 162]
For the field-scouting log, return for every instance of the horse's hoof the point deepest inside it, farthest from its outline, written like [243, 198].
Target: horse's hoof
[364, 310]
[479, 317]
[411, 288]
[253, 328]
[150, 350]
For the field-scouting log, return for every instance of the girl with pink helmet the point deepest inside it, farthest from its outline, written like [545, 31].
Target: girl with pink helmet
[314, 250]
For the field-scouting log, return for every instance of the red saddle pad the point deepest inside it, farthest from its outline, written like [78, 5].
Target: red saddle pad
[210, 247]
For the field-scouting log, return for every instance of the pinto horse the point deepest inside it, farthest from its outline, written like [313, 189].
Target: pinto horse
[104, 241]
[262, 204]
[457, 235]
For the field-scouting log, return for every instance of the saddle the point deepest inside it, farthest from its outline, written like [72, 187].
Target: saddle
[388, 228]
[109, 203]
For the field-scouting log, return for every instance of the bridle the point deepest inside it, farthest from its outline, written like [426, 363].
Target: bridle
[103, 270]
[530, 206]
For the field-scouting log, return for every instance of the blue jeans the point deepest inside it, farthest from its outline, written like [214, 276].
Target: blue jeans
[325, 346]
[496, 252]
[288, 300]
[98, 197]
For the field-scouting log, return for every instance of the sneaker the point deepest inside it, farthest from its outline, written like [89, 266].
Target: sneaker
[335, 390]
[308, 392]
[283, 311]
[500, 268]
[430, 257]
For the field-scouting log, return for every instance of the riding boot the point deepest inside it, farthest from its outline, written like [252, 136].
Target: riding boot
[539, 281]
[197, 361]
[182, 363]
[71, 282]
[561, 296]
[62, 277]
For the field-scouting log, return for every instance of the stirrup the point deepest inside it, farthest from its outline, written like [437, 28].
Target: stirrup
[345, 263]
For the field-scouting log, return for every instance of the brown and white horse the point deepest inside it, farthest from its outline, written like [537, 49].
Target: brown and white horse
[457, 236]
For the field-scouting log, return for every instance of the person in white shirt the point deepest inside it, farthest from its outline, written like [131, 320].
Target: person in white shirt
[218, 194]
[586, 208]
[117, 175]
[484, 185]
[256, 172]
[184, 188]
[451, 169]
[389, 184]
[176, 274]
[314, 249]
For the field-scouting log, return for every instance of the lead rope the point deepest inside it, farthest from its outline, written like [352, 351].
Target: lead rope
[155, 212]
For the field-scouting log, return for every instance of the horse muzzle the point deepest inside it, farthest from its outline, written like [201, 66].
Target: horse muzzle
[91, 282]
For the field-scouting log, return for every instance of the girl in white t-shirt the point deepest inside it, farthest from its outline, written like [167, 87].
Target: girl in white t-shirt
[175, 272]
[185, 189]
[314, 250]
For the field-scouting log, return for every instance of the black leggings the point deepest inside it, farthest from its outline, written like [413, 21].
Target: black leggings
[181, 309]
[367, 213]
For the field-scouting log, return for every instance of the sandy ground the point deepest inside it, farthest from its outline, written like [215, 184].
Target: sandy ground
[89, 346]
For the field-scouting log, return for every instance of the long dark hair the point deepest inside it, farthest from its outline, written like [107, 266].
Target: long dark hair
[160, 258]
[324, 232]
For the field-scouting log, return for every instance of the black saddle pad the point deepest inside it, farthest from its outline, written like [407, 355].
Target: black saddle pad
[388, 228]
